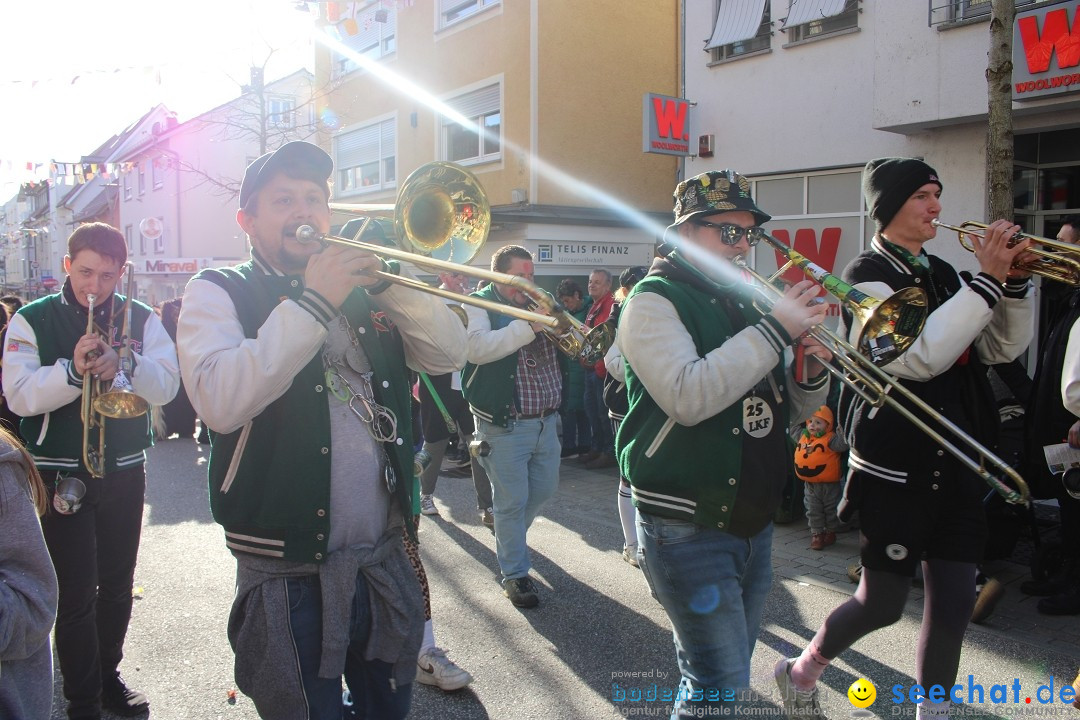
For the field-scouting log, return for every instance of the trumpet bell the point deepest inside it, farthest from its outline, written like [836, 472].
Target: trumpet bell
[120, 402]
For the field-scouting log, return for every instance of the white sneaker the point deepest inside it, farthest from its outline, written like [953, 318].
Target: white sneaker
[427, 505]
[434, 668]
[798, 704]
[629, 554]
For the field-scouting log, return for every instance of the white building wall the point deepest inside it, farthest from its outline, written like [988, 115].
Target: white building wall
[895, 87]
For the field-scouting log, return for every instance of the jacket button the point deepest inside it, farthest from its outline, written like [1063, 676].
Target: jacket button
[361, 329]
[720, 525]
[731, 481]
[320, 536]
[320, 512]
[937, 473]
[734, 431]
[399, 441]
[940, 453]
[934, 486]
[386, 383]
[723, 508]
[295, 283]
[918, 280]
[324, 450]
[318, 388]
[318, 556]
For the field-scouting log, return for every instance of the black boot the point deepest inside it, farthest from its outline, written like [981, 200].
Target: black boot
[118, 698]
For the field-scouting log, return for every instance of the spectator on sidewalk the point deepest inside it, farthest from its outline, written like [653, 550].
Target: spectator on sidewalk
[819, 451]
[602, 452]
[576, 430]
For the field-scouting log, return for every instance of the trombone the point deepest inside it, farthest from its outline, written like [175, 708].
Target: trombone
[889, 328]
[441, 209]
[1060, 262]
[119, 401]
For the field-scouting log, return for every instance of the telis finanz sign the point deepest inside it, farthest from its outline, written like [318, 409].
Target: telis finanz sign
[665, 125]
[1046, 51]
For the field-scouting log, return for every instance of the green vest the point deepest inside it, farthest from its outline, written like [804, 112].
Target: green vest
[689, 473]
[55, 439]
[280, 493]
[490, 388]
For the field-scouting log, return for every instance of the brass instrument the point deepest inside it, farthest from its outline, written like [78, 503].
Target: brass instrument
[119, 401]
[889, 328]
[1061, 262]
[441, 210]
[93, 458]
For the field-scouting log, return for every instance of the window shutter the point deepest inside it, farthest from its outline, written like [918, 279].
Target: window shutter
[358, 147]
[476, 103]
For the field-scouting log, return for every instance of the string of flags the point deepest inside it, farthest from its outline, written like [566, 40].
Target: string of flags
[77, 173]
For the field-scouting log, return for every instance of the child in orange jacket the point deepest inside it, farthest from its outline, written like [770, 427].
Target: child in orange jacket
[818, 458]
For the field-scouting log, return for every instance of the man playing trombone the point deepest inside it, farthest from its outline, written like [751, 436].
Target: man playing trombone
[49, 358]
[298, 361]
[704, 442]
[915, 501]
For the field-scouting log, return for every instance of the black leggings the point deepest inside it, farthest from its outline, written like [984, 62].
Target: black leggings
[949, 597]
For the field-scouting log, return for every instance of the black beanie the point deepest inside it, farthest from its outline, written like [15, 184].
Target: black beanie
[889, 182]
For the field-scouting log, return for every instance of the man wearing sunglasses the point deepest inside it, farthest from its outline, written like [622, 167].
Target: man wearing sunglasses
[703, 443]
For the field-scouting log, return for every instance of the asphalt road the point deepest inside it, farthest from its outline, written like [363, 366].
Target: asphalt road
[597, 632]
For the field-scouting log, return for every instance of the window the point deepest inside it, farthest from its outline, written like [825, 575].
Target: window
[142, 179]
[452, 11]
[127, 238]
[957, 11]
[281, 112]
[847, 19]
[481, 139]
[127, 185]
[365, 158]
[158, 171]
[761, 41]
[159, 241]
[370, 31]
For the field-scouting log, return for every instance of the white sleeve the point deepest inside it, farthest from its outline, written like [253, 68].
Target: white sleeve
[433, 335]
[949, 331]
[231, 378]
[687, 387]
[614, 361]
[1070, 372]
[157, 371]
[29, 388]
[487, 345]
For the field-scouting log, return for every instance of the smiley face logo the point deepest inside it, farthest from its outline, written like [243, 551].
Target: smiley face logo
[862, 693]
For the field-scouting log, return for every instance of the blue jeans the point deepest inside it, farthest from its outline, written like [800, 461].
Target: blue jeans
[524, 469]
[602, 440]
[370, 681]
[712, 586]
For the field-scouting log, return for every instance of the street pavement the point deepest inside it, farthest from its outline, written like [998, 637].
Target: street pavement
[598, 646]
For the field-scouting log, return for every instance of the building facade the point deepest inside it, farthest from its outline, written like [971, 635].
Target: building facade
[823, 86]
[542, 101]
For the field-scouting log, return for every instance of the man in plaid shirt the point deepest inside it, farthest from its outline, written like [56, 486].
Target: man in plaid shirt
[513, 383]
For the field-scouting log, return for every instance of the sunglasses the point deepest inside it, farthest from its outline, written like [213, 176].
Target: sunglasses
[731, 234]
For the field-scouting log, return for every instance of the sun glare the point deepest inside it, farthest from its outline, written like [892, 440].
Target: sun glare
[77, 72]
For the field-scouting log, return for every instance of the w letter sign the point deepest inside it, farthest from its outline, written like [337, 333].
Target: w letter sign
[1046, 52]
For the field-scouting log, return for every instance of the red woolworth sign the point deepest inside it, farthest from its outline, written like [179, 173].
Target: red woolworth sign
[666, 125]
[1046, 52]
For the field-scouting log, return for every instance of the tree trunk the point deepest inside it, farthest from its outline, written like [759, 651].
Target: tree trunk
[999, 137]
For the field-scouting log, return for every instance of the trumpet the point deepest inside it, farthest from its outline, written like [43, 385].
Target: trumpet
[119, 401]
[442, 210]
[1060, 262]
[889, 328]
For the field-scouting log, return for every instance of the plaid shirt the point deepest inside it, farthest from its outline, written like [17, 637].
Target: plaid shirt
[539, 381]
